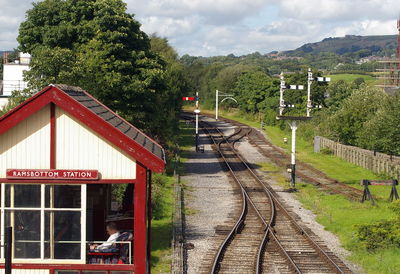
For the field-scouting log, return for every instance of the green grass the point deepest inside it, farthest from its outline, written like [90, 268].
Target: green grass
[351, 77]
[341, 216]
[161, 231]
[161, 251]
[337, 214]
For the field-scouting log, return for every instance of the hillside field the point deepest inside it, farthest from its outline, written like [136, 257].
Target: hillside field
[351, 77]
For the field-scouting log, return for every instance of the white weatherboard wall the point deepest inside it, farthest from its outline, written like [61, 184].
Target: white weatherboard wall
[27, 271]
[27, 145]
[78, 147]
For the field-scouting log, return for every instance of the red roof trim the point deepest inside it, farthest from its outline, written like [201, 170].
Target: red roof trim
[96, 123]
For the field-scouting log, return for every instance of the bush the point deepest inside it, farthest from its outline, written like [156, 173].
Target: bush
[383, 234]
[158, 185]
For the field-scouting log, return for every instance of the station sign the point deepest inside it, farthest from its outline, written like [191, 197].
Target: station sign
[52, 174]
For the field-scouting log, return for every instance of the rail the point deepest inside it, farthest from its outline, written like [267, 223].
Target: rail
[269, 231]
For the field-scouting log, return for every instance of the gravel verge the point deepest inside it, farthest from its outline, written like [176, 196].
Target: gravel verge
[209, 201]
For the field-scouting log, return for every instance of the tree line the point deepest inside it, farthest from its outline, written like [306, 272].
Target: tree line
[100, 47]
[352, 113]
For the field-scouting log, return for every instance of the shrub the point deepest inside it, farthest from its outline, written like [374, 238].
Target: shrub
[383, 234]
[158, 185]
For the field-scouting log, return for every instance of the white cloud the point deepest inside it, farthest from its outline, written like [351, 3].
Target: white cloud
[219, 27]
[366, 27]
[339, 10]
[168, 27]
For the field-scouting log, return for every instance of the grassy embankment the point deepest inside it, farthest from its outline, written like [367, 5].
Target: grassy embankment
[161, 252]
[336, 213]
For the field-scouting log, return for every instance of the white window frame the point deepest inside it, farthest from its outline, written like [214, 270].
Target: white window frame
[42, 210]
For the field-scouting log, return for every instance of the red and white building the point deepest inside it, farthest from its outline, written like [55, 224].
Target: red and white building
[60, 153]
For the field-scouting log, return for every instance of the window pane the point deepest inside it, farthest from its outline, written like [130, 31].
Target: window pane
[66, 271]
[26, 196]
[26, 232]
[63, 230]
[67, 251]
[63, 196]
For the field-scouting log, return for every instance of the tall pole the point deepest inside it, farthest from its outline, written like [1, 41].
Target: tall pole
[293, 126]
[309, 82]
[216, 104]
[281, 101]
[197, 111]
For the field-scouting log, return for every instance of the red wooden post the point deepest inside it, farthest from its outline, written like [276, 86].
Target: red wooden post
[52, 136]
[139, 231]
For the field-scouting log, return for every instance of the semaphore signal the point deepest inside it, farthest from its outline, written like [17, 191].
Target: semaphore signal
[188, 98]
[294, 119]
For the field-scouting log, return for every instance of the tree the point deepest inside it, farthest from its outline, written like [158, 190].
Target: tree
[382, 131]
[98, 46]
[170, 103]
[336, 93]
[255, 92]
[346, 124]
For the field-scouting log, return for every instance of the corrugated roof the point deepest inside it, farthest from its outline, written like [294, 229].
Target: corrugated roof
[112, 118]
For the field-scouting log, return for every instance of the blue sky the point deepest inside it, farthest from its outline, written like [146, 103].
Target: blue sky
[221, 27]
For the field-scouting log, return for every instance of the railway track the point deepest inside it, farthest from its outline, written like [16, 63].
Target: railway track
[265, 238]
[304, 171]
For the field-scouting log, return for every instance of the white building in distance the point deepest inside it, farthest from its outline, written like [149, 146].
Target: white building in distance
[13, 76]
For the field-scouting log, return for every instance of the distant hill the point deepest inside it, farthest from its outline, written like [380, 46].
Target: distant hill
[375, 45]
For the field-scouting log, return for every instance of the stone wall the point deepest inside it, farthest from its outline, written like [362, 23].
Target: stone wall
[374, 161]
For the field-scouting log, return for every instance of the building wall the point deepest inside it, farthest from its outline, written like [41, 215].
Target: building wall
[27, 145]
[27, 271]
[13, 77]
[78, 147]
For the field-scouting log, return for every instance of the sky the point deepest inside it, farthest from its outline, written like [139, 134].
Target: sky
[239, 27]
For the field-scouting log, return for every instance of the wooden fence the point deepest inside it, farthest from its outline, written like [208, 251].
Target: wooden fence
[374, 161]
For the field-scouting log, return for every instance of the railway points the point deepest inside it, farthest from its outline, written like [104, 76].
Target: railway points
[249, 261]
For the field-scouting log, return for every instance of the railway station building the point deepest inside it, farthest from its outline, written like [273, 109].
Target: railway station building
[62, 154]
